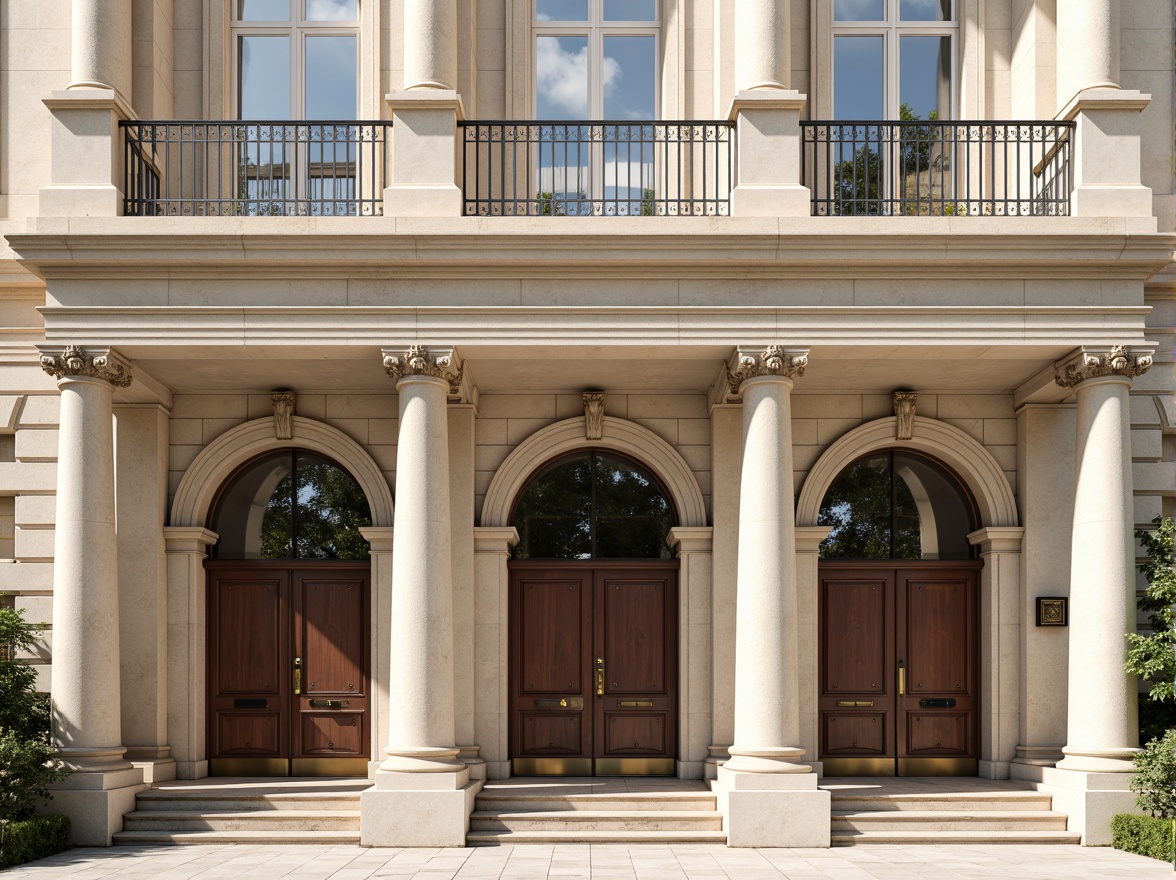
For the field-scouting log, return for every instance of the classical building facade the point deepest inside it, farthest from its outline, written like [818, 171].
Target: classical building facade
[441, 390]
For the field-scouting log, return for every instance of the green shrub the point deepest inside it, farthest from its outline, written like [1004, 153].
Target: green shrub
[1143, 835]
[1155, 777]
[1150, 655]
[26, 772]
[1155, 717]
[33, 839]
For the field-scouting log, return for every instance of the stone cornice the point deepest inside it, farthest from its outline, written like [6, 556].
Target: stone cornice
[74, 361]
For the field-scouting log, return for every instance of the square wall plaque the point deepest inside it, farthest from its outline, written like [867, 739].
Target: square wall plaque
[1053, 611]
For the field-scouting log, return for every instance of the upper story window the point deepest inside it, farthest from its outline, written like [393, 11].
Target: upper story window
[596, 59]
[894, 59]
[296, 59]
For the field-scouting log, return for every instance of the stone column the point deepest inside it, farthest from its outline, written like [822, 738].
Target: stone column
[1090, 783]
[1088, 46]
[771, 795]
[762, 50]
[100, 45]
[430, 44]
[422, 794]
[85, 691]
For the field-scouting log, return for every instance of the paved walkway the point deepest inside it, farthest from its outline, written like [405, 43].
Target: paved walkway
[595, 862]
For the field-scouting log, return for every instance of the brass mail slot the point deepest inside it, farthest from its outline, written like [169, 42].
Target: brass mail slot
[329, 704]
[855, 704]
[561, 703]
[635, 704]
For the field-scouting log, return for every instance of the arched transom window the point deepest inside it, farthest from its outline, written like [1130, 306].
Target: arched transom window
[593, 505]
[896, 505]
[291, 505]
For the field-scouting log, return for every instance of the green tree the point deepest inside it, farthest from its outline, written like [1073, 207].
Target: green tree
[1154, 780]
[1150, 656]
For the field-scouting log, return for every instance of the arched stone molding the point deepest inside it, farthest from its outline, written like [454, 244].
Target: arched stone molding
[617, 435]
[951, 446]
[217, 461]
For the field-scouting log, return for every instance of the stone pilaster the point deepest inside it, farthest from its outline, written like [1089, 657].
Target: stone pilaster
[769, 794]
[1090, 783]
[86, 689]
[422, 794]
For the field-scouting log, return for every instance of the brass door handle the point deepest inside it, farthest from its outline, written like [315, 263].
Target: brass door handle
[297, 675]
[600, 676]
[901, 677]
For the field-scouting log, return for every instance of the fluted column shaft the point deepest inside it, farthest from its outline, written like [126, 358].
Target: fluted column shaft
[762, 53]
[100, 53]
[430, 44]
[1088, 46]
[85, 692]
[767, 723]
[420, 692]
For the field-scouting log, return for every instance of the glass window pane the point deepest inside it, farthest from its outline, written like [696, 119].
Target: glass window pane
[330, 78]
[253, 515]
[939, 517]
[859, 10]
[561, 77]
[858, 78]
[331, 10]
[629, 77]
[263, 10]
[924, 83]
[561, 10]
[857, 507]
[331, 509]
[264, 88]
[633, 516]
[925, 10]
[554, 514]
[630, 10]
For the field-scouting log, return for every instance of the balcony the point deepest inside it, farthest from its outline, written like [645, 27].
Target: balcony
[938, 168]
[610, 169]
[254, 168]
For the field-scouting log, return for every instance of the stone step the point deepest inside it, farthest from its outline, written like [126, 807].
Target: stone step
[248, 820]
[686, 800]
[496, 838]
[852, 838]
[163, 799]
[282, 838]
[927, 821]
[1003, 801]
[597, 820]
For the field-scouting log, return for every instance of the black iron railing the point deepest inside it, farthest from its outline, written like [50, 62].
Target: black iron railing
[578, 169]
[938, 168]
[255, 168]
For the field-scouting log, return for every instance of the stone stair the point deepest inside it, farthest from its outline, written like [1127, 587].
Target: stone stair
[246, 811]
[588, 811]
[986, 817]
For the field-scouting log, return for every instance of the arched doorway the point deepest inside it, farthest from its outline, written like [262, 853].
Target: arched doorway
[593, 602]
[289, 661]
[898, 620]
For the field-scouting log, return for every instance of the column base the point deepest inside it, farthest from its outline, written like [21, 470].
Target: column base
[771, 201]
[468, 755]
[773, 809]
[443, 200]
[96, 803]
[417, 809]
[157, 770]
[191, 769]
[1089, 800]
[1035, 756]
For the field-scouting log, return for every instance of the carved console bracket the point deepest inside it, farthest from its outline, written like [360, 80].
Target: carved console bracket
[1091, 364]
[63, 362]
[593, 415]
[772, 361]
[283, 401]
[441, 363]
[904, 414]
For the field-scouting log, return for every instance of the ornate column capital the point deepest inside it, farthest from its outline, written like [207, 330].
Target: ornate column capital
[772, 361]
[68, 361]
[1093, 363]
[440, 363]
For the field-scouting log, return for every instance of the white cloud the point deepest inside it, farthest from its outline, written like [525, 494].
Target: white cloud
[562, 77]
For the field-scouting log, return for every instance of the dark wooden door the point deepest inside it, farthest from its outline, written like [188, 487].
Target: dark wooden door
[288, 660]
[899, 652]
[594, 658]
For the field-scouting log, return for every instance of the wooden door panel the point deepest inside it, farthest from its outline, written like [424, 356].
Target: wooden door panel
[938, 647]
[550, 634]
[333, 736]
[635, 734]
[549, 734]
[249, 624]
[633, 636]
[855, 734]
[855, 650]
[249, 734]
[938, 734]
